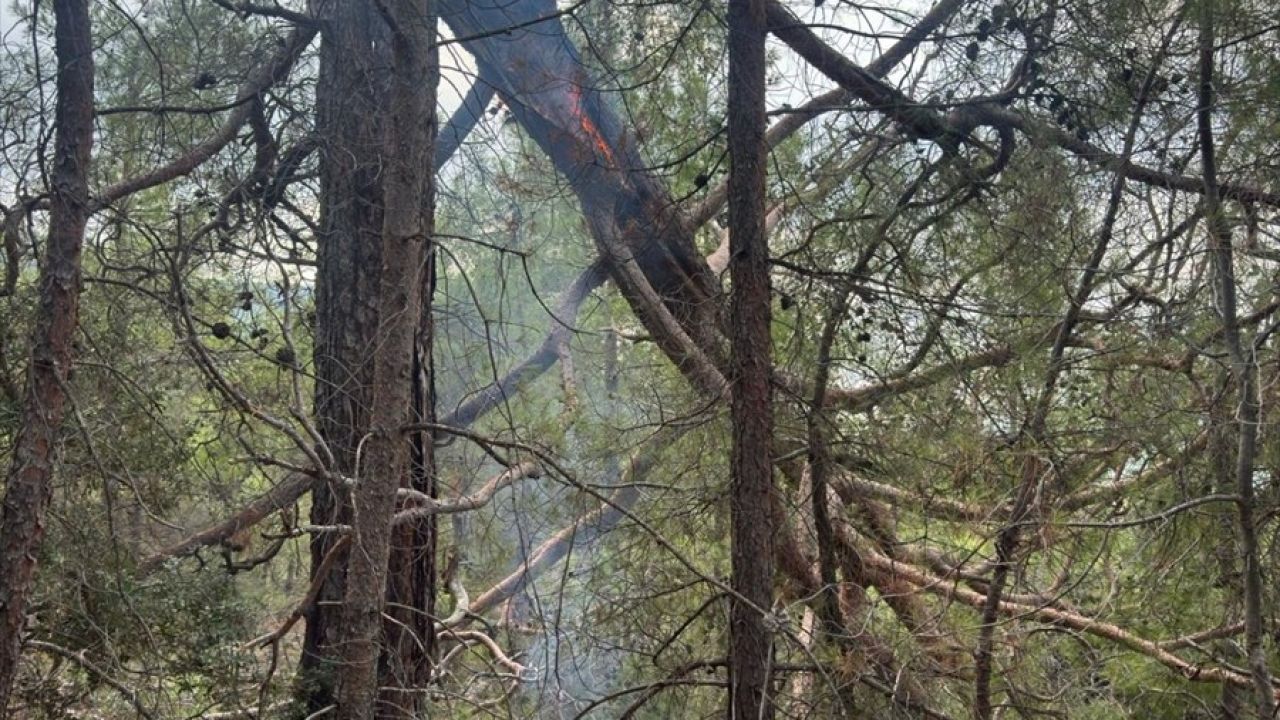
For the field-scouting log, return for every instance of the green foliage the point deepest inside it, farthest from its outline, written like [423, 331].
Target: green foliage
[194, 380]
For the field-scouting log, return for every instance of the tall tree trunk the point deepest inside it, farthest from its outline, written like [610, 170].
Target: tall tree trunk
[409, 631]
[29, 483]
[408, 185]
[1244, 372]
[349, 118]
[751, 472]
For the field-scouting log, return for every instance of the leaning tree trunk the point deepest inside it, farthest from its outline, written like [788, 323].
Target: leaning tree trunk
[523, 50]
[29, 483]
[751, 468]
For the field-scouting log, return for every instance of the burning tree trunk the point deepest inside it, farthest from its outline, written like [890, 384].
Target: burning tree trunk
[29, 486]
[522, 49]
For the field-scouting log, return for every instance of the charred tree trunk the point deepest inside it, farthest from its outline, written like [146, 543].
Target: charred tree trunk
[29, 483]
[522, 49]
[750, 644]
[349, 112]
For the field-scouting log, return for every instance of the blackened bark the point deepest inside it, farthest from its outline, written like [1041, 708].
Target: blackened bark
[29, 483]
[522, 49]
[349, 111]
[751, 471]
[407, 184]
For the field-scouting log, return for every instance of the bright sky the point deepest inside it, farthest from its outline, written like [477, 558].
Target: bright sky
[7, 18]
[454, 83]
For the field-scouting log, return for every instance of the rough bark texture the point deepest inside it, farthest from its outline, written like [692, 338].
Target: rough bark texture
[751, 471]
[409, 632]
[407, 178]
[349, 103]
[351, 107]
[29, 483]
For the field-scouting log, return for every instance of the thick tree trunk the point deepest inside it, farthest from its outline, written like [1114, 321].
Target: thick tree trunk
[404, 391]
[353, 117]
[349, 112]
[407, 184]
[29, 482]
[750, 642]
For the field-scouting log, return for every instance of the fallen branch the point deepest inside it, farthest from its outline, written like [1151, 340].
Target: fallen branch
[1114, 633]
[556, 547]
[468, 638]
[278, 498]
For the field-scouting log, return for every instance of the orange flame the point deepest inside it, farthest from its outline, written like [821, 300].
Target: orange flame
[588, 126]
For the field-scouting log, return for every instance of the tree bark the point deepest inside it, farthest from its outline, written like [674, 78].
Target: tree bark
[408, 195]
[409, 630]
[351, 111]
[349, 119]
[750, 642]
[29, 483]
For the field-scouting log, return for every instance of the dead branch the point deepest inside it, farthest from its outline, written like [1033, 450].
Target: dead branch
[278, 498]
[427, 506]
[926, 582]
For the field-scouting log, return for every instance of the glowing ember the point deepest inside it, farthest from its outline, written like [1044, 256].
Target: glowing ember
[588, 126]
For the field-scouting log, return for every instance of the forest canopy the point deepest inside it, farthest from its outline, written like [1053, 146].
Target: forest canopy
[639, 359]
